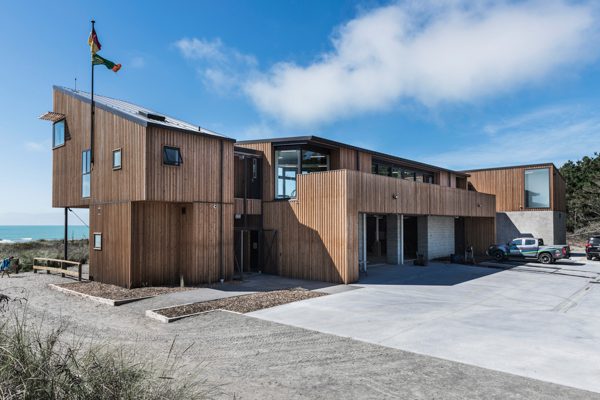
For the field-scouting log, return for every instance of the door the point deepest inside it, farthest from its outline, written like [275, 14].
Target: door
[514, 249]
[529, 248]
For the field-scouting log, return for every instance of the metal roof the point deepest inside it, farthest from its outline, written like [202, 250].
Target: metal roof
[332, 143]
[138, 114]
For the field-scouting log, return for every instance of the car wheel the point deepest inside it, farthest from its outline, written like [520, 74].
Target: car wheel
[545, 258]
[589, 257]
[499, 255]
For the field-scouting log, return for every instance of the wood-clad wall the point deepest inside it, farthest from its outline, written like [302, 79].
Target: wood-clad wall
[480, 233]
[508, 184]
[111, 264]
[253, 206]
[66, 160]
[314, 229]
[343, 158]
[198, 178]
[560, 192]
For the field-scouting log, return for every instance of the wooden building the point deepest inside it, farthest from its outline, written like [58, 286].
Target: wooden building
[530, 200]
[173, 203]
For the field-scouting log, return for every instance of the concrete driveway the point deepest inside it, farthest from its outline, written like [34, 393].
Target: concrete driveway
[534, 321]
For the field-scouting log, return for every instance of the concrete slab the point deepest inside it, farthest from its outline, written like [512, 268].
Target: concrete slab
[525, 321]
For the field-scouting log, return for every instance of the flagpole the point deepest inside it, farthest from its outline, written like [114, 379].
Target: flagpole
[92, 109]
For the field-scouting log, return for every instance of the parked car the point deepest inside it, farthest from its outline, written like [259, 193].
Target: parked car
[592, 247]
[529, 248]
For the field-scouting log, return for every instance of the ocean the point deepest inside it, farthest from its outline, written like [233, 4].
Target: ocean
[26, 233]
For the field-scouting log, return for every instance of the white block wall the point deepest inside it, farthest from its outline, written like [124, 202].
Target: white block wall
[436, 236]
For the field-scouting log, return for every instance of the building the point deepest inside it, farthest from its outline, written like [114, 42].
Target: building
[530, 200]
[173, 203]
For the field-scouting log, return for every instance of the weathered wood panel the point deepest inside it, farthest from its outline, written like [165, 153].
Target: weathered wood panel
[344, 158]
[508, 185]
[480, 233]
[198, 178]
[111, 264]
[365, 161]
[560, 192]
[253, 206]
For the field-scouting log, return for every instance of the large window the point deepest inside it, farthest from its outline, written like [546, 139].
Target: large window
[537, 188]
[291, 162]
[396, 171]
[172, 156]
[86, 169]
[58, 133]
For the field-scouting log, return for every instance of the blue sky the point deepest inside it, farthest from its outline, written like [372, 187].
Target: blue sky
[459, 84]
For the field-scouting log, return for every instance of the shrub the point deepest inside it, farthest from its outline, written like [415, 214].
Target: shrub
[38, 364]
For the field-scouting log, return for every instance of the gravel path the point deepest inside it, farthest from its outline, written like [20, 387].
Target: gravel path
[256, 359]
[113, 292]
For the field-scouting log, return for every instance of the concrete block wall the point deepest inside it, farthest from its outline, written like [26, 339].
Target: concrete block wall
[548, 225]
[435, 236]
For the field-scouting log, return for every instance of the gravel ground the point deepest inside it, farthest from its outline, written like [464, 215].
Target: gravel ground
[255, 359]
[113, 292]
[242, 304]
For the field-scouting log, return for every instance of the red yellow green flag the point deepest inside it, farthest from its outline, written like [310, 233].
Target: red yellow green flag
[93, 42]
[97, 60]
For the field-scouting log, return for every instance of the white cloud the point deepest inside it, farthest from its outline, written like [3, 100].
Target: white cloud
[221, 68]
[137, 62]
[432, 52]
[552, 134]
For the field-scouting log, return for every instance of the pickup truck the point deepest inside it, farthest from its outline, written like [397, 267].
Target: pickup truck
[529, 248]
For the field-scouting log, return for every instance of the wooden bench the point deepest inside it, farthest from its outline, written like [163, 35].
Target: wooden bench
[61, 270]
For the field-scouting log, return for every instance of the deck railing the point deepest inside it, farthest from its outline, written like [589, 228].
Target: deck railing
[62, 269]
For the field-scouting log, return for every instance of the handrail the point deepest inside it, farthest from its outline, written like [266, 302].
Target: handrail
[62, 270]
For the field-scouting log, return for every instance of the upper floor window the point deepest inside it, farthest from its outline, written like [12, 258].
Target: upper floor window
[58, 133]
[86, 169]
[172, 156]
[291, 162]
[537, 188]
[116, 159]
[396, 171]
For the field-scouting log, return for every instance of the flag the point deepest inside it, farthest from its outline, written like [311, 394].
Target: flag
[97, 60]
[93, 42]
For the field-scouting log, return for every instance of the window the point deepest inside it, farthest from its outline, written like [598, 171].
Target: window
[116, 159]
[97, 241]
[172, 156]
[537, 188]
[516, 242]
[291, 162]
[58, 133]
[86, 169]
[396, 171]
[530, 242]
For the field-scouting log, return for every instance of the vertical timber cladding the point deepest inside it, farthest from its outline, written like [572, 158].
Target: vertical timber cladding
[111, 264]
[66, 160]
[480, 233]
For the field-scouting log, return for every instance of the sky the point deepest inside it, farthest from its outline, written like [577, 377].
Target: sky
[455, 83]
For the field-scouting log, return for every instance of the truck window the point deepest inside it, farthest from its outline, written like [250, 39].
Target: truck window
[540, 242]
[529, 242]
[516, 242]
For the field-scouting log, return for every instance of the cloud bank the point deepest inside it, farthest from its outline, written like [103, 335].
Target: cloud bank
[432, 53]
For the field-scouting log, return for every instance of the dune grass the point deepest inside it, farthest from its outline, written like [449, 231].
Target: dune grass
[27, 251]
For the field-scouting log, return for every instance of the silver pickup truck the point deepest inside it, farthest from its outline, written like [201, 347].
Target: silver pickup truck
[529, 248]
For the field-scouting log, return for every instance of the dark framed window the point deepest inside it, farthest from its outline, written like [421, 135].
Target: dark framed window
[86, 169]
[97, 241]
[58, 133]
[116, 159]
[290, 162]
[399, 172]
[172, 156]
[537, 188]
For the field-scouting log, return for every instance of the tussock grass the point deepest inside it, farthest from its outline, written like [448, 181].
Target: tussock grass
[27, 251]
[39, 364]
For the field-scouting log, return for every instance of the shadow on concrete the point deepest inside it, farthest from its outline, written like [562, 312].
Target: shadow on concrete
[434, 274]
[255, 282]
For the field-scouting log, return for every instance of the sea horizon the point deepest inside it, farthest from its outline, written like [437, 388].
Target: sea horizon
[27, 233]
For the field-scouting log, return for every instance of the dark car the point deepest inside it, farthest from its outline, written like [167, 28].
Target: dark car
[592, 247]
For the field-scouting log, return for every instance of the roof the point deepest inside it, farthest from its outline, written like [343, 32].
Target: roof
[331, 143]
[138, 114]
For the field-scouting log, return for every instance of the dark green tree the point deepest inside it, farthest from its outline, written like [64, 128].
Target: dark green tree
[583, 192]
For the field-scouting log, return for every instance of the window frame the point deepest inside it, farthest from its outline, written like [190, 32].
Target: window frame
[64, 139]
[300, 149]
[120, 151]
[171, 147]
[525, 205]
[86, 172]
[94, 235]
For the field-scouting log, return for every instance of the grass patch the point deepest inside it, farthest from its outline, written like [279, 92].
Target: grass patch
[27, 251]
[38, 363]
[242, 304]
